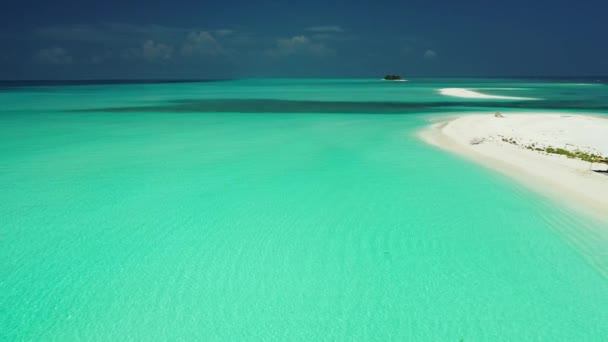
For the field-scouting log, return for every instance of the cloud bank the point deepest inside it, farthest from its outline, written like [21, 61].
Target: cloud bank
[430, 54]
[299, 45]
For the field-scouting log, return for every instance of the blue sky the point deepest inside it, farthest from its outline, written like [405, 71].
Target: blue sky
[68, 39]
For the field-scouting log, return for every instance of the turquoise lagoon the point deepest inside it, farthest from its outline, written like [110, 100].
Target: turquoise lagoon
[283, 210]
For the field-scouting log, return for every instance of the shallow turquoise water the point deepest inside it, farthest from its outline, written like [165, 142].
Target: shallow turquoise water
[282, 210]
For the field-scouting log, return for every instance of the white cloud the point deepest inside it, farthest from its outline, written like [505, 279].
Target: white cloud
[329, 33]
[160, 43]
[201, 43]
[325, 29]
[430, 54]
[153, 51]
[54, 55]
[291, 44]
[117, 33]
[102, 43]
[299, 45]
[150, 51]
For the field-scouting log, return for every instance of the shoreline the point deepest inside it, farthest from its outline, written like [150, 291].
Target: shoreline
[503, 144]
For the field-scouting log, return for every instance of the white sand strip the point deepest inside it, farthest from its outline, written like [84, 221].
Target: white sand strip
[500, 144]
[470, 94]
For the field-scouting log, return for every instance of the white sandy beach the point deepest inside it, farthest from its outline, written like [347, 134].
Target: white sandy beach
[470, 94]
[500, 144]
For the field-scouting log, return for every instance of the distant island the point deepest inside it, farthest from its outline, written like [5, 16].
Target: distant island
[392, 78]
